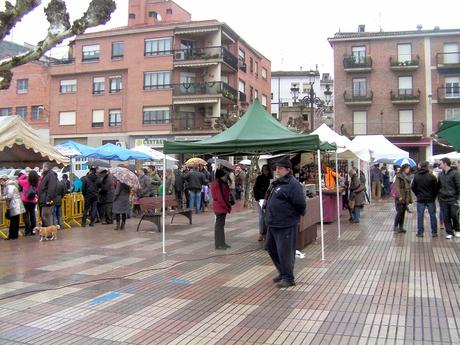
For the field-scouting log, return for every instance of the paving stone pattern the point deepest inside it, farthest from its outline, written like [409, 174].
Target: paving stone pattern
[375, 287]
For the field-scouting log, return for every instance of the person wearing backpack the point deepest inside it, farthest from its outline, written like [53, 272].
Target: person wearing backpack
[29, 184]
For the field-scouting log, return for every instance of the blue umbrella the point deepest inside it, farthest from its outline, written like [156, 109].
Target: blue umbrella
[405, 160]
[117, 153]
[85, 150]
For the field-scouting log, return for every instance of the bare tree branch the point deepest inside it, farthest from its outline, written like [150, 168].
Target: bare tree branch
[98, 13]
[13, 14]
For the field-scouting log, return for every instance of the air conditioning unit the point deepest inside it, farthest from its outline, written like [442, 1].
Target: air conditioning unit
[180, 55]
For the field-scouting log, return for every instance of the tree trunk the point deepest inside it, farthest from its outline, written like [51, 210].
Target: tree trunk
[253, 172]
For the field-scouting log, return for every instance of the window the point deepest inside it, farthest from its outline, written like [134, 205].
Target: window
[359, 87]
[21, 111]
[116, 84]
[359, 122]
[405, 85]
[153, 14]
[451, 55]
[6, 111]
[117, 50]
[98, 119]
[359, 54]
[406, 122]
[187, 117]
[251, 94]
[453, 114]
[256, 94]
[251, 64]
[37, 111]
[160, 46]
[157, 115]
[404, 52]
[68, 86]
[22, 86]
[264, 73]
[91, 52]
[452, 87]
[264, 101]
[241, 86]
[256, 68]
[157, 80]
[169, 11]
[305, 87]
[98, 85]
[132, 16]
[114, 118]
[242, 60]
[67, 118]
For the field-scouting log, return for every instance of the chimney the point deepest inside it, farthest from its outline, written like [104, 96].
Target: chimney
[419, 27]
[361, 28]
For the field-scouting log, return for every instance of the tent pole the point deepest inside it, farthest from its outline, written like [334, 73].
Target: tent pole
[369, 182]
[163, 224]
[337, 187]
[321, 204]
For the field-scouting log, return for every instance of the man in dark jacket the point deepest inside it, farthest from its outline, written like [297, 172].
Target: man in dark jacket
[285, 204]
[449, 195]
[178, 186]
[47, 192]
[61, 191]
[145, 183]
[105, 187]
[260, 189]
[195, 180]
[89, 191]
[425, 188]
[376, 181]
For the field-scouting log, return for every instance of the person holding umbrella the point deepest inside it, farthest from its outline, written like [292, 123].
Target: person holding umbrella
[403, 197]
[125, 182]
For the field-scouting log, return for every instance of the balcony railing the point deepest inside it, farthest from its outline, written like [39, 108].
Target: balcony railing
[449, 94]
[387, 128]
[405, 65]
[206, 53]
[405, 96]
[67, 61]
[448, 60]
[205, 88]
[190, 121]
[353, 99]
[357, 64]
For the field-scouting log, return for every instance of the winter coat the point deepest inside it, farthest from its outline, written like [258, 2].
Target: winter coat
[449, 186]
[89, 188]
[178, 181]
[24, 183]
[47, 189]
[121, 199]
[155, 182]
[357, 191]
[376, 175]
[425, 186]
[195, 180]
[261, 186]
[403, 189]
[330, 177]
[286, 203]
[169, 185]
[13, 198]
[240, 179]
[146, 186]
[220, 192]
[60, 192]
[105, 186]
[77, 185]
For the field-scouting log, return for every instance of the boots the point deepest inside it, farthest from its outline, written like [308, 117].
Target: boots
[117, 226]
[122, 227]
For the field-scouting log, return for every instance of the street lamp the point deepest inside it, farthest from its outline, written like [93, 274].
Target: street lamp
[310, 100]
[295, 93]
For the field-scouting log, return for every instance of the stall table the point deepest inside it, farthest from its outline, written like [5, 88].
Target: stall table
[307, 227]
[330, 205]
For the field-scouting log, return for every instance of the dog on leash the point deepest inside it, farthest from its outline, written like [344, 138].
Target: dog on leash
[47, 232]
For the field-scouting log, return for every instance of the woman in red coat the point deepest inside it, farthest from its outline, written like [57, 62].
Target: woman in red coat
[221, 205]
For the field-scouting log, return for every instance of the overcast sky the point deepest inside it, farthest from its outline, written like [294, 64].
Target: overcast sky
[291, 33]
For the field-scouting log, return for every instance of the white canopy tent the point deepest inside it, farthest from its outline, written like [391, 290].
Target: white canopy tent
[156, 155]
[451, 155]
[380, 147]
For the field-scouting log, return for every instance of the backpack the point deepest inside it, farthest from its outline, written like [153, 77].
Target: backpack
[31, 193]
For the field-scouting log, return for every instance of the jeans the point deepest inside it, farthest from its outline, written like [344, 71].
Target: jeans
[30, 218]
[376, 189]
[195, 200]
[400, 214]
[431, 206]
[449, 215]
[219, 233]
[179, 199]
[357, 214]
[281, 246]
[261, 219]
[57, 215]
[13, 231]
[46, 215]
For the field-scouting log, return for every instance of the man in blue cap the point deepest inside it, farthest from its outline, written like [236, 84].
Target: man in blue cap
[284, 206]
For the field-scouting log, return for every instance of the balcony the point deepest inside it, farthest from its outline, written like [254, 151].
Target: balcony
[199, 57]
[186, 122]
[351, 99]
[405, 96]
[353, 64]
[448, 62]
[387, 128]
[204, 92]
[407, 65]
[68, 61]
[449, 95]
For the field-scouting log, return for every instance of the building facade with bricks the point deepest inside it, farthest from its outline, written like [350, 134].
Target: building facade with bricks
[400, 84]
[162, 77]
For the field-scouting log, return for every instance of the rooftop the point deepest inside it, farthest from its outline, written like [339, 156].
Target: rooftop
[293, 73]
[8, 49]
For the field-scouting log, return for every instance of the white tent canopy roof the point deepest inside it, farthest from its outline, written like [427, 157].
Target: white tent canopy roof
[451, 155]
[156, 155]
[380, 147]
[346, 149]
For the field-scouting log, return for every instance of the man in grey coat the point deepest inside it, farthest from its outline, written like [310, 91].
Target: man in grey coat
[449, 195]
[47, 193]
[146, 184]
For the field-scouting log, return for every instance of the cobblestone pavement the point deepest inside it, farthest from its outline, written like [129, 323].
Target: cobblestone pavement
[375, 287]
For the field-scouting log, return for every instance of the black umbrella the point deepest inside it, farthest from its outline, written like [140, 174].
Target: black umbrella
[224, 164]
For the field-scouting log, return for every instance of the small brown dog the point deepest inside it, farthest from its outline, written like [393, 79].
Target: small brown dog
[47, 232]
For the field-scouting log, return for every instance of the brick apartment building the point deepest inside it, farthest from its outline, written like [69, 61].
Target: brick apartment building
[162, 77]
[400, 84]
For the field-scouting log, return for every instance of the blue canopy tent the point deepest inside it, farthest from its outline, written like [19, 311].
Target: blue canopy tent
[116, 153]
[85, 150]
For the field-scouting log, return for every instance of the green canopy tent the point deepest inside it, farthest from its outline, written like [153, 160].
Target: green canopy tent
[256, 132]
[450, 130]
